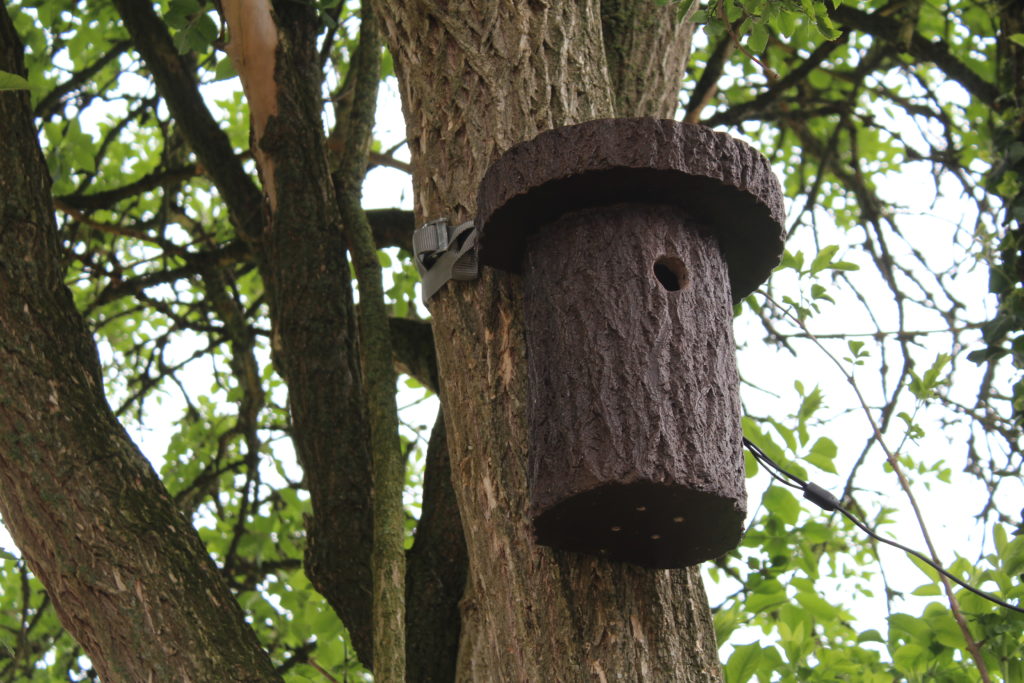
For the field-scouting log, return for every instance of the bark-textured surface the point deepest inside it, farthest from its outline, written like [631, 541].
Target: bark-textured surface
[642, 77]
[125, 570]
[476, 78]
[721, 180]
[633, 401]
[634, 407]
[436, 573]
[354, 134]
[306, 274]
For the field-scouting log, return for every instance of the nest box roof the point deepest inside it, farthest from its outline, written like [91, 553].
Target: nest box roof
[721, 181]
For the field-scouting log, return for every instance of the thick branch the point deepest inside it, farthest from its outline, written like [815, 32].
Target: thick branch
[175, 80]
[412, 342]
[306, 275]
[438, 563]
[707, 86]
[388, 469]
[128, 576]
[107, 198]
[392, 227]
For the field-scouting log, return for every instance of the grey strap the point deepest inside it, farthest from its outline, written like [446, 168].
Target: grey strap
[443, 252]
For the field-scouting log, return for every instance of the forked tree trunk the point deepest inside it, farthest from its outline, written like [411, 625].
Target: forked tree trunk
[476, 78]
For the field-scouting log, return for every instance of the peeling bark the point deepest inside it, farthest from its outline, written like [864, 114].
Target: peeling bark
[252, 46]
[175, 79]
[306, 273]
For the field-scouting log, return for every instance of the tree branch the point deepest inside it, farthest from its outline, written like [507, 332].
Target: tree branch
[438, 564]
[117, 582]
[707, 86]
[759, 106]
[175, 80]
[49, 102]
[919, 47]
[355, 132]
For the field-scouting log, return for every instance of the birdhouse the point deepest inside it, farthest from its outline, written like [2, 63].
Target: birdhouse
[634, 238]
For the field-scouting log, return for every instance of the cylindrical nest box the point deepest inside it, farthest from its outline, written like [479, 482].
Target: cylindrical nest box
[634, 237]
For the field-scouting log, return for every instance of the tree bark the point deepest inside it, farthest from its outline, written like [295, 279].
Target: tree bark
[126, 572]
[436, 575]
[306, 274]
[355, 129]
[476, 78]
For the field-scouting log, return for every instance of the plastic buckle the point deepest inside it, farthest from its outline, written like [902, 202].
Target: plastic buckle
[443, 252]
[429, 241]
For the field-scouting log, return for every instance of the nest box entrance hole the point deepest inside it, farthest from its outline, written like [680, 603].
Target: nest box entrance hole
[671, 272]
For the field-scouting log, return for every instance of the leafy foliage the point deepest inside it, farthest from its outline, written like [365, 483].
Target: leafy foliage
[833, 92]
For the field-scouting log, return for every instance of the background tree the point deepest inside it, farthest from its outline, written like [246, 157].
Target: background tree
[205, 238]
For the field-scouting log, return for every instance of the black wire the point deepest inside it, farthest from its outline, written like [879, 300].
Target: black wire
[827, 501]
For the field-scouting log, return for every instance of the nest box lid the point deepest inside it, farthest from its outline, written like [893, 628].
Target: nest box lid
[720, 180]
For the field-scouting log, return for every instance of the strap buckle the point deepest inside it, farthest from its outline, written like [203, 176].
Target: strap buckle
[430, 240]
[444, 252]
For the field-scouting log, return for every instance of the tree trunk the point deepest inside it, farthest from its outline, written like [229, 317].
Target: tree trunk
[126, 572]
[476, 78]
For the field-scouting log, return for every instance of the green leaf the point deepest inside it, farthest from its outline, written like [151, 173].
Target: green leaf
[742, 664]
[750, 467]
[821, 293]
[946, 632]
[791, 260]
[999, 537]
[810, 404]
[925, 386]
[817, 606]
[9, 81]
[911, 658]
[197, 35]
[823, 452]
[1018, 38]
[908, 625]
[870, 636]
[7, 557]
[1013, 557]
[824, 258]
[783, 504]
[758, 39]
[928, 570]
[225, 70]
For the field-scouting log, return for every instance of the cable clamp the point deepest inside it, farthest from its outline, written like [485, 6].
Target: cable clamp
[443, 252]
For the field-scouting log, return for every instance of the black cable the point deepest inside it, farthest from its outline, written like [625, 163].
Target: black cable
[827, 501]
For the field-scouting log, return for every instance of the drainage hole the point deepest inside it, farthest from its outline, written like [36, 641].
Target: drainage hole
[671, 273]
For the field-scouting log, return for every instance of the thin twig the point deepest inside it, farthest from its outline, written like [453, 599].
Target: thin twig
[769, 72]
[323, 672]
[893, 461]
